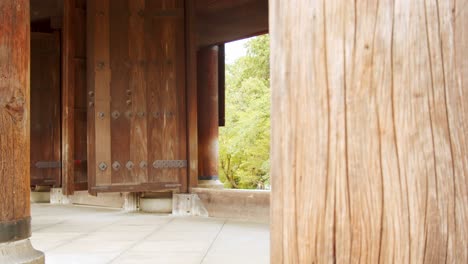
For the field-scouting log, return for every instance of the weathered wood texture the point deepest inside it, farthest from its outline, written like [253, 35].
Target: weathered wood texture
[14, 110]
[74, 97]
[45, 109]
[220, 21]
[137, 60]
[207, 112]
[370, 131]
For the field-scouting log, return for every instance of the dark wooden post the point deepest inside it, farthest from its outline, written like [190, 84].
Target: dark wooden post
[68, 99]
[208, 117]
[15, 212]
[369, 131]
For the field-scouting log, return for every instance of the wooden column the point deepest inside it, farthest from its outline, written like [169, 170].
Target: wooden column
[208, 115]
[15, 220]
[14, 120]
[369, 131]
[191, 40]
[68, 96]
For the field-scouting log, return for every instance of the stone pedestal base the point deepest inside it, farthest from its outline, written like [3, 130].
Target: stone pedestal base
[212, 184]
[156, 205]
[188, 205]
[20, 252]
[40, 197]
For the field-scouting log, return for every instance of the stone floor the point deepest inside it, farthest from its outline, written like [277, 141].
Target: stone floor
[88, 235]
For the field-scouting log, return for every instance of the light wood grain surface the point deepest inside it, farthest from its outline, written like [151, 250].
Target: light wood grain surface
[370, 131]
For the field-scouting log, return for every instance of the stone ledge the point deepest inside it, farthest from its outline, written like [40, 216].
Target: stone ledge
[248, 205]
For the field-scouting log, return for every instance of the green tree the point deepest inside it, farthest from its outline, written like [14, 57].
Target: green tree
[245, 140]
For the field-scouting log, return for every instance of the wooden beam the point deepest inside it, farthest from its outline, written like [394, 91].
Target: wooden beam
[220, 21]
[369, 131]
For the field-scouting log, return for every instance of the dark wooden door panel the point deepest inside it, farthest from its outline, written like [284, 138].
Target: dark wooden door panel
[137, 126]
[45, 109]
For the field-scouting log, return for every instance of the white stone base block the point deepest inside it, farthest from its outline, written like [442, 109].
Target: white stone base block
[156, 205]
[130, 202]
[188, 205]
[57, 197]
[40, 197]
[20, 252]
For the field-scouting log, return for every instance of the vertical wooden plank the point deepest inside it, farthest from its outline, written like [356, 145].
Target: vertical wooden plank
[68, 91]
[369, 140]
[181, 93]
[81, 96]
[102, 74]
[121, 93]
[169, 93]
[155, 102]
[80, 138]
[91, 137]
[137, 86]
[191, 73]
[166, 89]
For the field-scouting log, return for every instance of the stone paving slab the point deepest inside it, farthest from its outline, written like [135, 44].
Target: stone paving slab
[88, 235]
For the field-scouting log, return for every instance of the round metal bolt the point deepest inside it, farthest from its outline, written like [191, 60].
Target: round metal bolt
[143, 164]
[116, 165]
[102, 166]
[115, 114]
[129, 165]
[101, 115]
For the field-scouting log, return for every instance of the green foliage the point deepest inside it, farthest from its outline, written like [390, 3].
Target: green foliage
[245, 140]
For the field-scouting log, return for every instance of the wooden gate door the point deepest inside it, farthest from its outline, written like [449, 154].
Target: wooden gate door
[137, 112]
[45, 109]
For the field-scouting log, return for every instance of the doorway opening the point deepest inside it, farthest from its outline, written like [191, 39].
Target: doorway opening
[244, 140]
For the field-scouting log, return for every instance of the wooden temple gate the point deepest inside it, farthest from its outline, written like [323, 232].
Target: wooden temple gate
[124, 115]
[136, 95]
[369, 116]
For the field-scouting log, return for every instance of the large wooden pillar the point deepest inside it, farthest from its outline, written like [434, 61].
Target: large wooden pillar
[208, 117]
[15, 212]
[369, 131]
